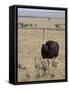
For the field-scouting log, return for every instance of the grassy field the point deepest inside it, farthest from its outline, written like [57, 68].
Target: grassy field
[29, 53]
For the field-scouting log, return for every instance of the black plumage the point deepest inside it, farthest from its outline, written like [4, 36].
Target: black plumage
[50, 49]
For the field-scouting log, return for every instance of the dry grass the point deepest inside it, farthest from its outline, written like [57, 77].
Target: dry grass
[31, 65]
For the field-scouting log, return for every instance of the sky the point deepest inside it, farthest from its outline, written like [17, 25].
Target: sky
[26, 12]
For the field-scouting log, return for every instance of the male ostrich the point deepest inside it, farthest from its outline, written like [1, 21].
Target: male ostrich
[49, 50]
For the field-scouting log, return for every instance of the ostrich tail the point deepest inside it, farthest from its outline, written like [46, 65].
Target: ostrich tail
[44, 51]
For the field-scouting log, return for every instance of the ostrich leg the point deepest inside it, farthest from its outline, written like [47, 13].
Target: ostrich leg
[48, 65]
[54, 66]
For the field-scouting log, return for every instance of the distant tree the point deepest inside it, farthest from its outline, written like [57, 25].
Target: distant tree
[35, 25]
[49, 18]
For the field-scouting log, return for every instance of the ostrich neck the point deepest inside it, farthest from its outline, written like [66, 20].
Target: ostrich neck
[43, 35]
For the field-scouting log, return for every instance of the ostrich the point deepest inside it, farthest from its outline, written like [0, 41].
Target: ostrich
[49, 50]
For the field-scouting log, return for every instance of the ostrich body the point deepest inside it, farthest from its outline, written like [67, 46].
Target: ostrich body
[50, 49]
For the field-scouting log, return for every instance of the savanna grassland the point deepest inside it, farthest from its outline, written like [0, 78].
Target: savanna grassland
[31, 65]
